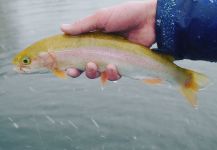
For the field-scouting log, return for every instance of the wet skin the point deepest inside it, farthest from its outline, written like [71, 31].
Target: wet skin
[133, 20]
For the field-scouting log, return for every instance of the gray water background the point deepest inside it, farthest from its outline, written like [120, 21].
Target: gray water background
[42, 112]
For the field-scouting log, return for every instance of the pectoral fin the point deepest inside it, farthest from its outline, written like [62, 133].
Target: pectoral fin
[59, 73]
[153, 81]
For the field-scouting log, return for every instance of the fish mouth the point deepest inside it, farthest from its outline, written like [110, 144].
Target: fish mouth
[22, 69]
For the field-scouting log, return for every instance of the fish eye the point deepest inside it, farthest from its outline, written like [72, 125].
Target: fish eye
[26, 61]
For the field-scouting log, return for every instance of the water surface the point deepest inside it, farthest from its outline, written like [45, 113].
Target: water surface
[42, 112]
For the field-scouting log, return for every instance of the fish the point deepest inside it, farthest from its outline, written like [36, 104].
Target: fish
[59, 52]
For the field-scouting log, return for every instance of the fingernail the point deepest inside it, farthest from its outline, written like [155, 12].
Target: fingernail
[73, 72]
[112, 73]
[91, 70]
[66, 25]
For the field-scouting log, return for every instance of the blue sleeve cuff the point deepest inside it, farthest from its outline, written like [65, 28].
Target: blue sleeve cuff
[187, 29]
[165, 27]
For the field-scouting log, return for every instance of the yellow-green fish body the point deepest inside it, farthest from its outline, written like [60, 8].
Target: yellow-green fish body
[57, 53]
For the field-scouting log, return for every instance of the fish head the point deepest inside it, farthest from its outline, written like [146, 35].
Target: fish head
[35, 58]
[27, 62]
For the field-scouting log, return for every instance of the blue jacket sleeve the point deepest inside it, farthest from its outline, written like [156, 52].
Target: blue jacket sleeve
[187, 29]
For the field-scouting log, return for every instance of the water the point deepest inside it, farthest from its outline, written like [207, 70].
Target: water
[42, 112]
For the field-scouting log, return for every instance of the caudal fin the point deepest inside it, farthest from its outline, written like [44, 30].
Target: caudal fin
[192, 84]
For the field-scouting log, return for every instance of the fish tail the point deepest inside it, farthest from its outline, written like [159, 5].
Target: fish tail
[193, 82]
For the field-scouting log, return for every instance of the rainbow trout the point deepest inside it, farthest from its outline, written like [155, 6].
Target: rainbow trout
[59, 52]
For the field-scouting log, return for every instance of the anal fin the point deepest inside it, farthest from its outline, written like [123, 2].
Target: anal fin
[153, 81]
[190, 95]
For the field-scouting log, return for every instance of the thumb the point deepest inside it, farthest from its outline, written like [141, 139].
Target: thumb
[87, 24]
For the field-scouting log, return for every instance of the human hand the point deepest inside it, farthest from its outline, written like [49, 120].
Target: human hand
[133, 20]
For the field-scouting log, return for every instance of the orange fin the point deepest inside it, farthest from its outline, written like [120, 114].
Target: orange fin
[190, 94]
[192, 84]
[104, 78]
[153, 81]
[59, 73]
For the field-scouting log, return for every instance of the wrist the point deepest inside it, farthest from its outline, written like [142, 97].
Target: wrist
[151, 8]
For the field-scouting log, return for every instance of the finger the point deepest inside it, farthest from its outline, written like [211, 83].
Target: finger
[87, 24]
[72, 72]
[92, 70]
[112, 73]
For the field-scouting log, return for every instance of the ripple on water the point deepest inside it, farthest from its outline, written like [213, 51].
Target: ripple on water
[3, 92]
[50, 113]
